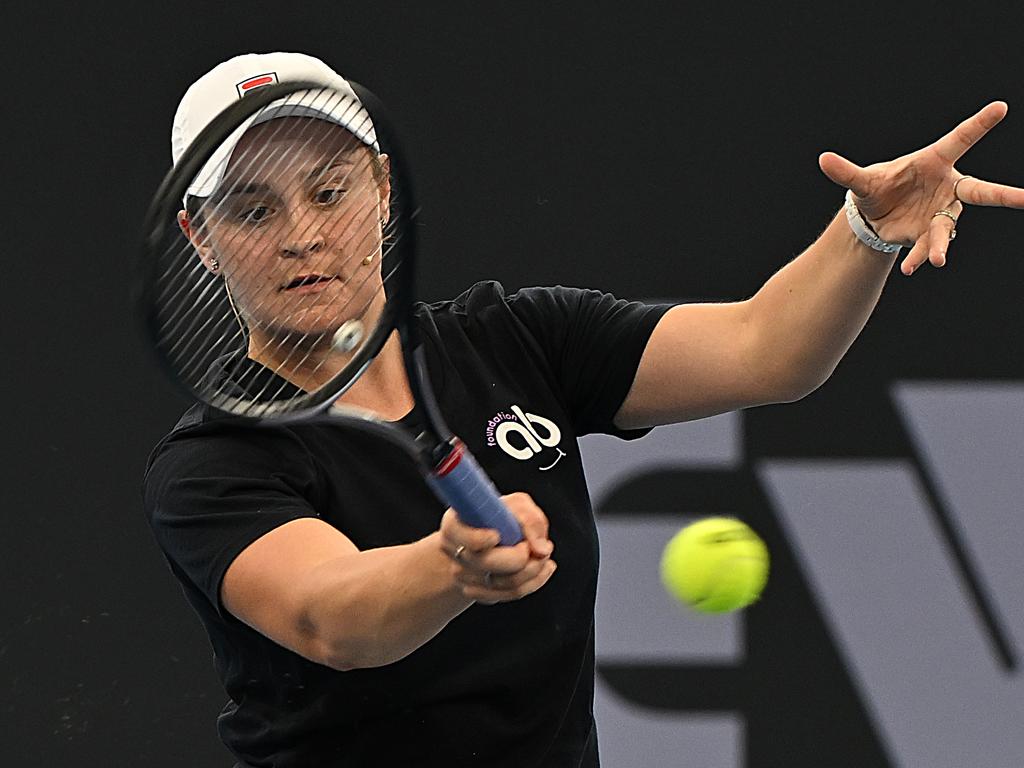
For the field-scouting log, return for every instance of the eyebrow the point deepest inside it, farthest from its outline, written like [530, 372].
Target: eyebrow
[259, 187]
[320, 170]
[247, 188]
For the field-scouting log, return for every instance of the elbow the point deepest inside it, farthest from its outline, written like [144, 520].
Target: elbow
[346, 655]
[337, 624]
[791, 395]
[321, 648]
[791, 386]
[348, 659]
[358, 647]
[337, 662]
[335, 653]
[340, 662]
[363, 651]
[786, 381]
[348, 651]
[339, 645]
[785, 373]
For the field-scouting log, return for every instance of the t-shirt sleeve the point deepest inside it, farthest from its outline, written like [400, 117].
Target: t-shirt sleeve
[593, 343]
[210, 493]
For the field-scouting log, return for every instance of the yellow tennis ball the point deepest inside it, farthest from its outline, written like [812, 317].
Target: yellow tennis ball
[715, 565]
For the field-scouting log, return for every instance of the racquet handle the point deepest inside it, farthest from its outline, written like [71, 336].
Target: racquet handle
[460, 483]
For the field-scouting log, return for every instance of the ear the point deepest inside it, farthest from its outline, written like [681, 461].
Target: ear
[185, 224]
[199, 243]
[384, 191]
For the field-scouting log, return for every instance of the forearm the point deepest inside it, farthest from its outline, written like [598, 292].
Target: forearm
[807, 315]
[379, 605]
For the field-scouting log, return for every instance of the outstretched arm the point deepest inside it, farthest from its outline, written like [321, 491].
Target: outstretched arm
[787, 339]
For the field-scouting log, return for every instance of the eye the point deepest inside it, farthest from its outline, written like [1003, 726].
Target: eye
[329, 196]
[255, 215]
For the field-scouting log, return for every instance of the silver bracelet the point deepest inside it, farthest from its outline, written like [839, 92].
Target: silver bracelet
[863, 230]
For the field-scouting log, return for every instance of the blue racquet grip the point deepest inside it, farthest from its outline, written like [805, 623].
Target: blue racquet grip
[461, 484]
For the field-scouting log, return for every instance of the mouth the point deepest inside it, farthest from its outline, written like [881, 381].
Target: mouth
[309, 282]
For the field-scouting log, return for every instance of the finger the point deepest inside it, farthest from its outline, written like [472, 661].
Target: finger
[501, 560]
[541, 547]
[473, 540]
[977, 192]
[843, 172]
[917, 256]
[940, 232]
[533, 521]
[490, 595]
[503, 582]
[955, 144]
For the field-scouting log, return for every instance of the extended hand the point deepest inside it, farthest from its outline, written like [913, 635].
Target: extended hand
[900, 198]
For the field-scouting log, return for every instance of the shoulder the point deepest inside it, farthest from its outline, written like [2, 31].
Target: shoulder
[206, 442]
[479, 296]
[199, 421]
[489, 299]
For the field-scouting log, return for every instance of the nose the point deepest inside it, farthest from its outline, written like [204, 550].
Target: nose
[303, 237]
[299, 245]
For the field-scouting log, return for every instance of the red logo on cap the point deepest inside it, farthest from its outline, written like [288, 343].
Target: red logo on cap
[255, 82]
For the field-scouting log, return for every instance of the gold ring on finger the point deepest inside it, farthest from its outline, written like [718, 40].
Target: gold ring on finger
[951, 217]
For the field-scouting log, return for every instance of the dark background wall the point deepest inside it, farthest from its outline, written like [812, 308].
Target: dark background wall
[653, 149]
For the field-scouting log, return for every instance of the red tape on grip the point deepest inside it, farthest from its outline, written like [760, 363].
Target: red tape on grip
[451, 461]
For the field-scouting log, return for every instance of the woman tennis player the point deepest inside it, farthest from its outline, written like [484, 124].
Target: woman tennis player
[356, 621]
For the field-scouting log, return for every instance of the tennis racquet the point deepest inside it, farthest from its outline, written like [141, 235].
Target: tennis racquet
[291, 269]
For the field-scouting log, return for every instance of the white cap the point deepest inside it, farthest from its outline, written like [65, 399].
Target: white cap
[226, 83]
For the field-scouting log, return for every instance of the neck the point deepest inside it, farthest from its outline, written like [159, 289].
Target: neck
[383, 388]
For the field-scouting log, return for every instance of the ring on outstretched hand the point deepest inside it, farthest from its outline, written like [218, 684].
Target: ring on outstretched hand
[957, 183]
[457, 555]
[952, 232]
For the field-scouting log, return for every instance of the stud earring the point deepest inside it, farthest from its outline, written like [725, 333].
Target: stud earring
[214, 265]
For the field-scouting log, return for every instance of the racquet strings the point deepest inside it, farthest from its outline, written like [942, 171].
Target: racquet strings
[287, 260]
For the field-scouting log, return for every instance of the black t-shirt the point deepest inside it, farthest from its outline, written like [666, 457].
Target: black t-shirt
[518, 378]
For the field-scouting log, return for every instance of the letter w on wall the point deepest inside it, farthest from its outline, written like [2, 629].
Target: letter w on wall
[885, 577]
